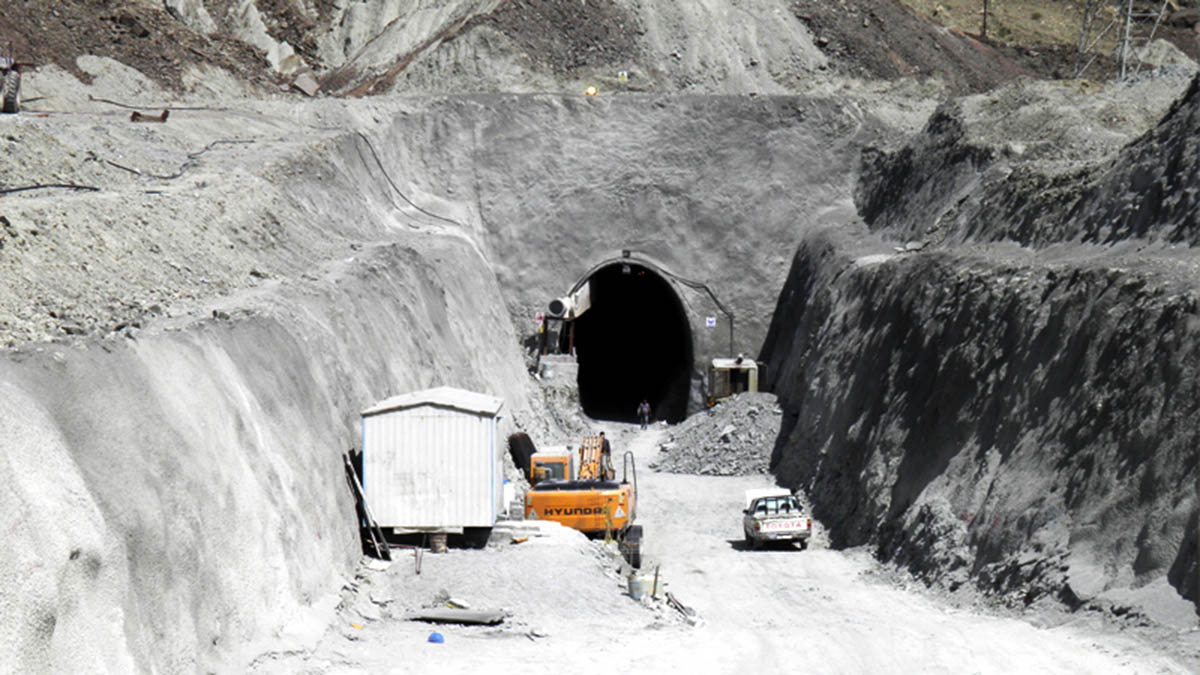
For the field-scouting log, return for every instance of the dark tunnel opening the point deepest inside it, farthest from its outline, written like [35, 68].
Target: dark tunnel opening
[635, 342]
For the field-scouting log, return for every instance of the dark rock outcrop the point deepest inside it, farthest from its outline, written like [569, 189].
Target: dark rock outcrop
[980, 410]
[1028, 425]
[1040, 181]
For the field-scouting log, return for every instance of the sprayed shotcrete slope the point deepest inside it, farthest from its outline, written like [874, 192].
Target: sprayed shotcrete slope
[175, 492]
[712, 188]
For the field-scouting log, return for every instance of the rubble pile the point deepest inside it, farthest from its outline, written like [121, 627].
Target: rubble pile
[733, 438]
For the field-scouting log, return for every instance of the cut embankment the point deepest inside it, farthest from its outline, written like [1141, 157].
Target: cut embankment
[712, 189]
[175, 496]
[175, 488]
[1046, 163]
[1022, 424]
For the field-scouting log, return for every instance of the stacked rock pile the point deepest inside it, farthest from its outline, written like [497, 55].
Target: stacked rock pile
[733, 438]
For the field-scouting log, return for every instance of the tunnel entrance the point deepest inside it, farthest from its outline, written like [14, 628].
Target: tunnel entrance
[635, 342]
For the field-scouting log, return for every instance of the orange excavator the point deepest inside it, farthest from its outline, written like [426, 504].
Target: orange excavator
[586, 496]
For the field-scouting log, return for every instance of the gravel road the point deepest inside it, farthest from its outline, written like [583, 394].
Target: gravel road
[818, 610]
[825, 610]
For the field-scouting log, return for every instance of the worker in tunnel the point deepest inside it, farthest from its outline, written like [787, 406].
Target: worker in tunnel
[643, 412]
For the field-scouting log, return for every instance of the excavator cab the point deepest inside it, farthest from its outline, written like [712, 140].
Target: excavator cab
[551, 465]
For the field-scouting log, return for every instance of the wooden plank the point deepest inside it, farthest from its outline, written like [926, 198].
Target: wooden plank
[377, 540]
[453, 615]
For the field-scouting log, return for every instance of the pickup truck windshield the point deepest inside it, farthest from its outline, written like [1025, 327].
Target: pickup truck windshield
[775, 506]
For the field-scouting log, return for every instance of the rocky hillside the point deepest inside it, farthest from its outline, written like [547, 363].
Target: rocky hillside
[431, 46]
[1010, 416]
[1024, 165]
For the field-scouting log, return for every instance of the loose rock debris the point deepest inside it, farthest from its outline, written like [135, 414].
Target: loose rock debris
[734, 438]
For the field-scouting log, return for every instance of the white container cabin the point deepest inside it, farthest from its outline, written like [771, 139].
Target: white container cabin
[432, 461]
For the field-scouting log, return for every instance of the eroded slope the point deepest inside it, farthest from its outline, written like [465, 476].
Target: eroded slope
[1013, 416]
[187, 358]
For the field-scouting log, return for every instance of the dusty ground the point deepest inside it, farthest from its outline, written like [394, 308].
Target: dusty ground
[780, 608]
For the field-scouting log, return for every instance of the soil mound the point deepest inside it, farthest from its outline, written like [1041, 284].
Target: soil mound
[566, 36]
[733, 438]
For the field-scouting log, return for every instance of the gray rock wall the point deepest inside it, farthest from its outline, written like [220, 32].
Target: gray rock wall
[1040, 164]
[174, 485]
[175, 496]
[1026, 425]
[714, 189]
[1015, 415]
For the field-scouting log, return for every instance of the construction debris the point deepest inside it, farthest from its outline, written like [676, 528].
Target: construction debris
[679, 606]
[461, 616]
[136, 116]
[733, 438]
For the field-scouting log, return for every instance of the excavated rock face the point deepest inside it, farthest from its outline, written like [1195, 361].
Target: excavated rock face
[1153, 189]
[983, 411]
[1040, 164]
[965, 414]
[184, 370]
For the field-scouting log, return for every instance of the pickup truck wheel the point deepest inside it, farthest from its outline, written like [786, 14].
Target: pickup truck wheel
[803, 544]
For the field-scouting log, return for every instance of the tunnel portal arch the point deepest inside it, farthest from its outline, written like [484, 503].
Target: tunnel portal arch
[633, 343]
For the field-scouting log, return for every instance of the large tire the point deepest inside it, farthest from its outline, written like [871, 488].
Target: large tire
[12, 92]
[631, 547]
[521, 449]
[635, 556]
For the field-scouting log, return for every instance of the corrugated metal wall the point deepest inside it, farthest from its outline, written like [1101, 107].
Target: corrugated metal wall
[431, 466]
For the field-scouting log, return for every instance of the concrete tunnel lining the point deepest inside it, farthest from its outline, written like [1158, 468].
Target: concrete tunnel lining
[634, 342]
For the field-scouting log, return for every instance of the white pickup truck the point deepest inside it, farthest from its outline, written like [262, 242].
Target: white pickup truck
[774, 514]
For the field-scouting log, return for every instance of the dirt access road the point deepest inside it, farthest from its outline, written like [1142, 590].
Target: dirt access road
[824, 610]
[819, 610]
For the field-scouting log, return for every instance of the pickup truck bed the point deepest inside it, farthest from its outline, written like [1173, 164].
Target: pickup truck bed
[775, 516]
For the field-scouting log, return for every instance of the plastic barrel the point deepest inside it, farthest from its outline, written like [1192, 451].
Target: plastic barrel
[638, 586]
